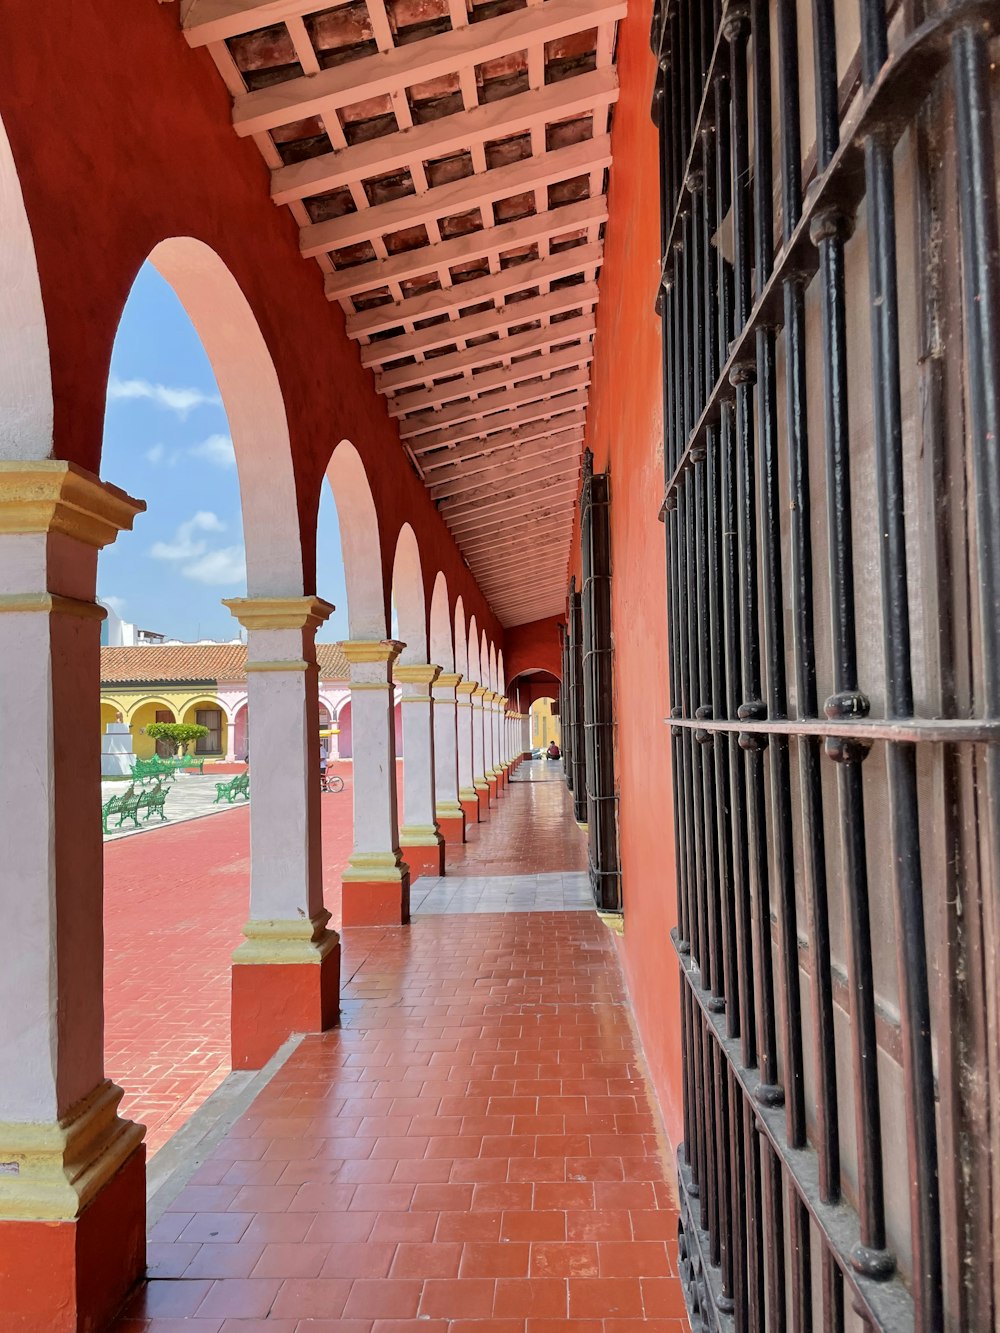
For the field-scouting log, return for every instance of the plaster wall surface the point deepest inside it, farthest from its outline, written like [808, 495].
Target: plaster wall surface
[625, 432]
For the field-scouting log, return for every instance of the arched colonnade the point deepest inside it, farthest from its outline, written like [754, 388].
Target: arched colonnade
[296, 425]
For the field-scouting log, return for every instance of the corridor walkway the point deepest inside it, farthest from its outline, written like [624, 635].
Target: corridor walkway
[473, 1151]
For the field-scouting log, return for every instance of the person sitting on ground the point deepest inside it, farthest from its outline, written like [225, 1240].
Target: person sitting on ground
[553, 751]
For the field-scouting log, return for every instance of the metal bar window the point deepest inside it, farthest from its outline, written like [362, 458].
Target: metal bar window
[831, 365]
[578, 776]
[598, 689]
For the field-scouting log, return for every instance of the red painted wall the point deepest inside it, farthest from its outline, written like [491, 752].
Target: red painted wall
[138, 146]
[624, 430]
[534, 646]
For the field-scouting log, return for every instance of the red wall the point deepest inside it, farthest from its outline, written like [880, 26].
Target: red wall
[624, 430]
[534, 646]
[122, 136]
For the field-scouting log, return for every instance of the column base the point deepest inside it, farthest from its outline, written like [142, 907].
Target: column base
[483, 795]
[73, 1230]
[423, 852]
[451, 823]
[491, 779]
[375, 890]
[271, 1000]
[468, 799]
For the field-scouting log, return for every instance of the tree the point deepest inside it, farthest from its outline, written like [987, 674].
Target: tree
[177, 734]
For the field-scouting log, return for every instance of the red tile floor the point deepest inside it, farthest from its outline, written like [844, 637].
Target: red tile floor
[472, 1152]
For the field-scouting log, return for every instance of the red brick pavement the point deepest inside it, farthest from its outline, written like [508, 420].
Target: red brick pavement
[472, 1152]
[175, 901]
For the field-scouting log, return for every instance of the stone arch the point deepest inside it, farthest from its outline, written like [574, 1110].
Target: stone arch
[26, 411]
[255, 408]
[473, 651]
[461, 640]
[359, 541]
[442, 639]
[408, 594]
[493, 669]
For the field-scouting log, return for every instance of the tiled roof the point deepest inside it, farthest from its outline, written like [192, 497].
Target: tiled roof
[200, 661]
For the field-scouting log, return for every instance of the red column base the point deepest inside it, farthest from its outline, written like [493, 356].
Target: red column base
[471, 809]
[376, 902]
[493, 788]
[424, 860]
[273, 1000]
[452, 830]
[72, 1276]
[484, 801]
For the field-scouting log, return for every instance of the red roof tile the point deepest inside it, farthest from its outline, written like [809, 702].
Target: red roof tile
[200, 661]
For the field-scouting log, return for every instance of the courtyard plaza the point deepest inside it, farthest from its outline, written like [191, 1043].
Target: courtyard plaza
[189, 796]
[473, 1150]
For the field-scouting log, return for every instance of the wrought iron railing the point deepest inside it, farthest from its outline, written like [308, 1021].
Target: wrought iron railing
[830, 306]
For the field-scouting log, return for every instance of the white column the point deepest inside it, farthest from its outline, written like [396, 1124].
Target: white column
[480, 782]
[376, 883]
[448, 809]
[465, 711]
[287, 925]
[61, 1138]
[525, 733]
[420, 838]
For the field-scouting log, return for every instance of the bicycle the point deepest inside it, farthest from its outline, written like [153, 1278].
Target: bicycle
[330, 782]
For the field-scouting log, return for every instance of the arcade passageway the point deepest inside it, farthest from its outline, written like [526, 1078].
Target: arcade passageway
[476, 1142]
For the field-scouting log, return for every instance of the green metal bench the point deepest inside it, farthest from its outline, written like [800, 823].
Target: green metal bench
[228, 791]
[154, 802]
[130, 805]
[113, 806]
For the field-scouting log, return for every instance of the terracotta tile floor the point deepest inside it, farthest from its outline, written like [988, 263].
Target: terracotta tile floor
[530, 830]
[472, 1150]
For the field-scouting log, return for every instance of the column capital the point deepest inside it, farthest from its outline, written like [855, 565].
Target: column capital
[468, 687]
[480, 692]
[365, 651]
[52, 495]
[448, 680]
[415, 673]
[255, 613]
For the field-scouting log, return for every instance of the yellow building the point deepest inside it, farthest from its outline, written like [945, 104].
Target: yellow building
[544, 724]
[200, 683]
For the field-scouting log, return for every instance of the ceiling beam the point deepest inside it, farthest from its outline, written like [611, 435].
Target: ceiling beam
[474, 548]
[548, 464]
[452, 511]
[483, 354]
[450, 300]
[379, 273]
[582, 295]
[509, 455]
[204, 21]
[566, 358]
[486, 435]
[479, 557]
[462, 518]
[461, 196]
[484, 452]
[479, 411]
[449, 463]
[402, 67]
[450, 134]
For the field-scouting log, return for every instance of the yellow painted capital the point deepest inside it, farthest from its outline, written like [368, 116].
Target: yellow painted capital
[52, 1171]
[279, 612]
[480, 692]
[415, 673]
[52, 604]
[51, 495]
[468, 687]
[451, 679]
[301, 940]
[420, 835]
[371, 650]
[376, 867]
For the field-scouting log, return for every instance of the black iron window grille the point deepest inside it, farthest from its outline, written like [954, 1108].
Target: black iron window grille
[574, 719]
[598, 689]
[830, 308]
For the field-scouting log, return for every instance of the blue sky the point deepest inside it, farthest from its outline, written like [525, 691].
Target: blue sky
[166, 441]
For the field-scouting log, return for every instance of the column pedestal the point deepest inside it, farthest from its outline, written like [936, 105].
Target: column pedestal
[468, 797]
[484, 793]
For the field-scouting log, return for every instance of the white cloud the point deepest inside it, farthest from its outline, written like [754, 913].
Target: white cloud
[227, 565]
[116, 604]
[218, 449]
[155, 454]
[181, 401]
[185, 546]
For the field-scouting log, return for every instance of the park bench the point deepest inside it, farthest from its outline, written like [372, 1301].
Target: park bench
[189, 762]
[131, 803]
[228, 791]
